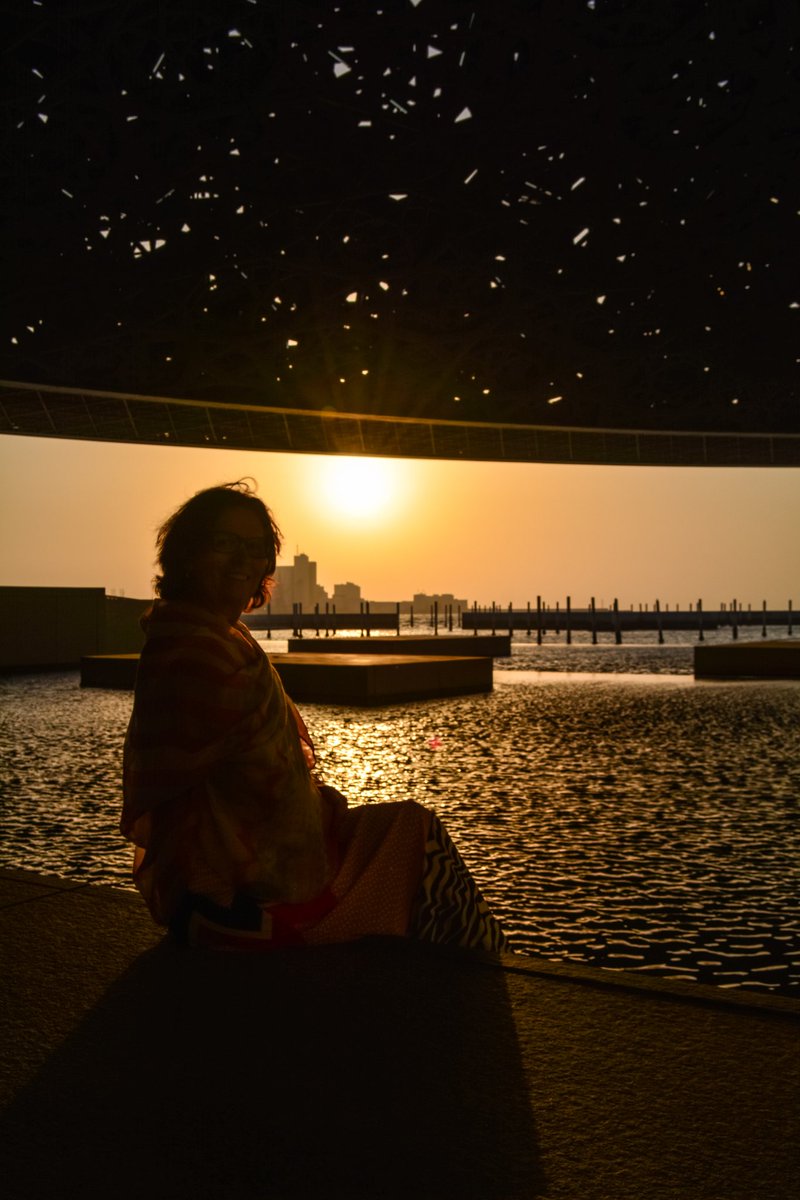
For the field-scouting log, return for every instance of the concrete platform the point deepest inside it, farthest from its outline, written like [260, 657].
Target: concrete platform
[367, 679]
[360, 679]
[766, 659]
[377, 1070]
[485, 645]
[109, 671]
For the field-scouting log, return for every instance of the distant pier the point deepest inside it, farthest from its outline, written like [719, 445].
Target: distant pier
[541, 619]
[299, 620]
[486, 646]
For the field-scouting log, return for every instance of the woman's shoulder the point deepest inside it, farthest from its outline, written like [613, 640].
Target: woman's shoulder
[174, 618]
[181, 633]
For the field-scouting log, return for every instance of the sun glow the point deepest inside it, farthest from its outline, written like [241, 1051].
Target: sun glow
[361, 490]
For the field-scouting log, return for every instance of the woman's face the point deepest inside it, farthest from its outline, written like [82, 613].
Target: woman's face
[228, 571]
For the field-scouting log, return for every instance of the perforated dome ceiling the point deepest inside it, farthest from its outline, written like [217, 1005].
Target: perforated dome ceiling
[580, 215]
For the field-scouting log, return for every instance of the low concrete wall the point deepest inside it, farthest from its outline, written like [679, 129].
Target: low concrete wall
[53, 627]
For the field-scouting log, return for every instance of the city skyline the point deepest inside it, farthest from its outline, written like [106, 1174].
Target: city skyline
[296, 583]
[85, 514]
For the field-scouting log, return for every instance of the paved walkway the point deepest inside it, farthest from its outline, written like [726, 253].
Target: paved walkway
[378, 1069]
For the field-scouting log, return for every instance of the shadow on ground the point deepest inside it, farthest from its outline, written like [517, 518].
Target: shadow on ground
[343, 1071]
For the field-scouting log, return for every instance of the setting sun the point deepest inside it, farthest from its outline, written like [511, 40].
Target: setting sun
[360, 489]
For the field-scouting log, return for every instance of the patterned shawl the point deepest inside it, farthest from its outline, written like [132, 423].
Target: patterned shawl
[217, 786]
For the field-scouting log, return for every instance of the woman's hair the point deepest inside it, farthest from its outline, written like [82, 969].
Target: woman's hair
[185, 534]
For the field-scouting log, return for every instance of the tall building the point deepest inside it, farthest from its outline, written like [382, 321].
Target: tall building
[297, 585]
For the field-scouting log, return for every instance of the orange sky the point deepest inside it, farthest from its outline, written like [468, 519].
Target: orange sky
[84, 514]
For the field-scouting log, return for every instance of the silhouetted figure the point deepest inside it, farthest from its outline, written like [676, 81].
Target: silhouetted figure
[238, 844]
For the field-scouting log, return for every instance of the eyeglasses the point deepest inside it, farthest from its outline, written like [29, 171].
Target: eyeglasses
[230, 543]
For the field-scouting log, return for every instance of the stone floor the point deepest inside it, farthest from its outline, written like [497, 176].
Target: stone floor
[376, 1069]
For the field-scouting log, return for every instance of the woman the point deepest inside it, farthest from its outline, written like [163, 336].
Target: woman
[237, 845]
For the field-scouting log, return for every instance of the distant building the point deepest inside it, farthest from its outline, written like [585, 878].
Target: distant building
[346, 597]
[297, 585]
[422, 602]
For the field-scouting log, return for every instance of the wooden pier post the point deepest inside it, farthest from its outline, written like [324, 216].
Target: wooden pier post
[411, 616]
[538, 620]
[763, 618]
[366, 614]
[700, 634]
[569, 621]
[269, 623]
[617, 630]
[790, 618]
[475, 611]
[594, 624]
[436, 618]
[528, 634]
[327, 619]
[734, 625]
[657, 610]
[510, 620]
[316, 619]
[494, 618]
[398, 618]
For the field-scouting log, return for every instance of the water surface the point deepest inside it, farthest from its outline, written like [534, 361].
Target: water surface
[621, 818]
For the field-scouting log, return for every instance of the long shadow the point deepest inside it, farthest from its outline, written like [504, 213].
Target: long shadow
[377, 1069]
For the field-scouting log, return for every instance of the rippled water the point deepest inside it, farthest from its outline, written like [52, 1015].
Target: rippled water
[626, 819]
